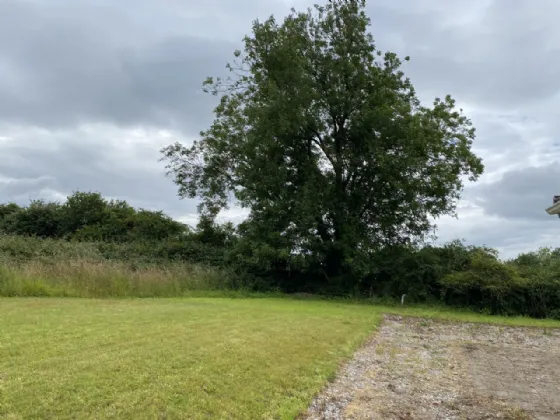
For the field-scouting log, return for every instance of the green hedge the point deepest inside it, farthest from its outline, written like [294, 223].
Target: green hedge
[452, 274]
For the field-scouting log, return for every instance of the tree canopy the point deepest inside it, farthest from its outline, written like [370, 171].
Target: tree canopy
[323, 138]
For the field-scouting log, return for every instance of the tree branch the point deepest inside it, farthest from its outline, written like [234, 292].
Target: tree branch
[318, 140]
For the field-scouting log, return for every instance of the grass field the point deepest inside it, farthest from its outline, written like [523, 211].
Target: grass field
[180, 358]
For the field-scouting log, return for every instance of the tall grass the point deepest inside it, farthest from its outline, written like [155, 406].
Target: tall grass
[44, 267]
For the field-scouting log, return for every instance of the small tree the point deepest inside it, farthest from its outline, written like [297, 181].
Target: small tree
[40, 219]
[8, 209]
[83, 209]
[154, 225]
[322, 137]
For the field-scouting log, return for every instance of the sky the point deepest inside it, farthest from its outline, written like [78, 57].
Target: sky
[91, 90]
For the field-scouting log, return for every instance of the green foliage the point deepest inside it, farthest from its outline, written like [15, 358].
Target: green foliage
[322, 137]
[102, 279]
[487, 284]
[453, 274]
[405, 270]
[210, 233]
[528, 285]
[87, 216]
[7, 209]
[83, 209]
[40, 219]
[54, 267]
[24, 248]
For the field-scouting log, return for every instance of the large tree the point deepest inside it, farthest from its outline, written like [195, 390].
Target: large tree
[322, 137]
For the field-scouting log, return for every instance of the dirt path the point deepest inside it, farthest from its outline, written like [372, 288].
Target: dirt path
[421, 369]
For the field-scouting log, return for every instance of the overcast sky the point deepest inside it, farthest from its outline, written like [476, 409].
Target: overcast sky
[90, 90]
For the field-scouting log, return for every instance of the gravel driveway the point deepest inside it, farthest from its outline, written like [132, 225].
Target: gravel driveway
[423, 369]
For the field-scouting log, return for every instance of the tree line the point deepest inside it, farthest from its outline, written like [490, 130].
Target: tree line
[87, 216]
[454, 274]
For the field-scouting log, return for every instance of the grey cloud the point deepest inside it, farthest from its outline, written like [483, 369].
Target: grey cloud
[498, 141]
[14, 187]
[501, 59]
[509, 236]
[60, 69]
[63, 63]
[506, 55]
[520, 194]
[54, 165]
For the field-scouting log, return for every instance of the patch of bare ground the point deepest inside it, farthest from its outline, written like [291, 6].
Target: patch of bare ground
[424, 369]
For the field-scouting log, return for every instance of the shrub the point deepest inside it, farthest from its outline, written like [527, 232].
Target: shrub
[487, 284]
[512, 288]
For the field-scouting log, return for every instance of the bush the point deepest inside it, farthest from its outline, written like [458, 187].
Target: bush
[417, 272]
[487, 284]
[503, 288]
[405, 270]
[87, 216]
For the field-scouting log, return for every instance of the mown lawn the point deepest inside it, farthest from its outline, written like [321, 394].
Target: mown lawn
[171, 358]
[178, 358]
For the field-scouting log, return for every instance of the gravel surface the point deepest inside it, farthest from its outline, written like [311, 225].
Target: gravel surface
[423, 369]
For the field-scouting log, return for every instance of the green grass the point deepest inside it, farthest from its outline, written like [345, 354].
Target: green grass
[34, 267]
[181, 358]
[464, 315]
[171, 358]
[103, 278]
